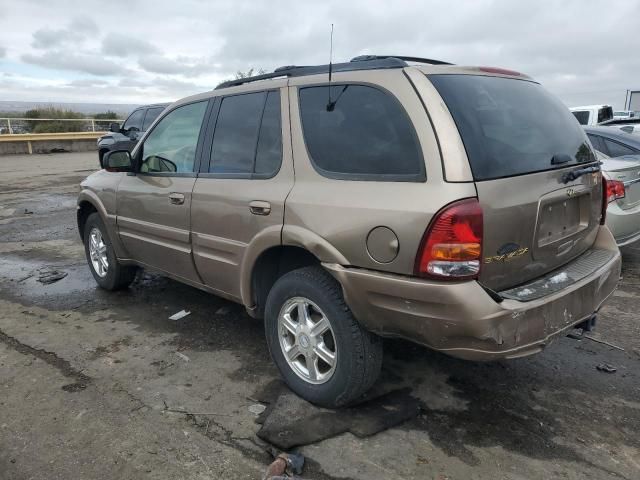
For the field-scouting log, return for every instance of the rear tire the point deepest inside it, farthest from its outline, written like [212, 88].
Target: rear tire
[332, 369]
[107, 271]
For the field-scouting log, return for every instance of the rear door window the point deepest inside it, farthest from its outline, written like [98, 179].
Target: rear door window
[248, 136]
[134, 120]
[597, 143]
[359, 132]
[151, 115]
[582, 117]
[511, 127]
[617, 149]
[269, 150]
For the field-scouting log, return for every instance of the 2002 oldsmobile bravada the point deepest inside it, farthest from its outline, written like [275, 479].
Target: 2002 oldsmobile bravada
[458, 207]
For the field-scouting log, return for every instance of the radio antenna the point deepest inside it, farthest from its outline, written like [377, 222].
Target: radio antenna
[330, 104]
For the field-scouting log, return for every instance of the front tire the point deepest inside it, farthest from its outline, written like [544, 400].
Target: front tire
[107, 271]
[322, 352]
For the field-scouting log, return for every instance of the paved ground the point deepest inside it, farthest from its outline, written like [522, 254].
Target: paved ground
[86, 377]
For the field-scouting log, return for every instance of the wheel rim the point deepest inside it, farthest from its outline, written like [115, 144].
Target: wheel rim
[307, 340]
[98, 252]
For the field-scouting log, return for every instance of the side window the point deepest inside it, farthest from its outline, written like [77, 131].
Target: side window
[134, 120]
[151, 115]
[269, 151]
[171, 145]
[617, 149]
[247, 137]
[596, 141]
[364, 133]
[582, 117]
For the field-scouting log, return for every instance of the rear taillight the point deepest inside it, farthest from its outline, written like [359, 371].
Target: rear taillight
[611, 190]
[452, 245]
[615, 190]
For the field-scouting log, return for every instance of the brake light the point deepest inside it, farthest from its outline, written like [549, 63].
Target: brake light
[500, 71]
[452, 244]
[615, 190]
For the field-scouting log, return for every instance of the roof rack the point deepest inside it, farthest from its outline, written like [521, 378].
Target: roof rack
[366, 58]
[362, 62]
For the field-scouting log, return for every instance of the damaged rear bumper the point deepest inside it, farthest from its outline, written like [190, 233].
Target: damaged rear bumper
[463, 320]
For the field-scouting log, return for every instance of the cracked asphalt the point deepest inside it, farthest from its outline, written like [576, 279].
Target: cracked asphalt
[93, 383]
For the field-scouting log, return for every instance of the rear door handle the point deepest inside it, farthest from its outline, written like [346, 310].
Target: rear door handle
[176, 198]
[258, 207]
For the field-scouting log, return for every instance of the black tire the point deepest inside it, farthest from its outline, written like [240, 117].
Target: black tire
[359, 352]
[118, 276]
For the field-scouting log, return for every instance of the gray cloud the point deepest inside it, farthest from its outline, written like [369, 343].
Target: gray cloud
[81, 62]
[565, 45]
[88, 82]
[181, 65]
[76, 31]
[3, 52]
[119, 45]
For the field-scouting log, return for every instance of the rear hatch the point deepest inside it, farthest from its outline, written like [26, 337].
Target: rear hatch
[521, 142]
[625, 169]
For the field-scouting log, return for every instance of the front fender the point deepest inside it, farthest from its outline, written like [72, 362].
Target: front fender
[87, 196]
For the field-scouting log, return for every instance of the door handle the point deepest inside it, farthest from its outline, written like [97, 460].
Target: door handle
[258, 207]
[176, 198]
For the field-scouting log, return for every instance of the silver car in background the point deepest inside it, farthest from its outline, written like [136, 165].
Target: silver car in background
[622, 176]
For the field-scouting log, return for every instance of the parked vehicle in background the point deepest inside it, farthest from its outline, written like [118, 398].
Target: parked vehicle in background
[613, 142]
[126, 137]
[592, 114]
[622, 176]
[623, 114]
[457, 207]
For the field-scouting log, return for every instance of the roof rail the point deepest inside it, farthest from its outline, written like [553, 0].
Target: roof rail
[363, 62]
[365, 58]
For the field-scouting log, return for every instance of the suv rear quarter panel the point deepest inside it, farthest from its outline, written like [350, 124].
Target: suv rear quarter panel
[343, 212]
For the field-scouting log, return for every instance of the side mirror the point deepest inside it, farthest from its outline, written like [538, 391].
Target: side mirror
[114, 127]
[118, 161]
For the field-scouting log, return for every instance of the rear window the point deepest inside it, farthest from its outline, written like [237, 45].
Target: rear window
[582, 116]
[511, 127]
[364, 134]
[604, 114]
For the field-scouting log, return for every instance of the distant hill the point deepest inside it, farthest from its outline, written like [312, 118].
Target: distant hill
[86, 108]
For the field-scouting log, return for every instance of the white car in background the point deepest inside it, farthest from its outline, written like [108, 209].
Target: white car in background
[623, 115]
[592, 114]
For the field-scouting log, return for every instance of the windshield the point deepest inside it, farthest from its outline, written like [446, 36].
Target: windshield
[511, 127]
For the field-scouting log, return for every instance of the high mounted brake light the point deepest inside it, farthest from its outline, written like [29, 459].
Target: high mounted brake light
[452, 245]
[500, 71]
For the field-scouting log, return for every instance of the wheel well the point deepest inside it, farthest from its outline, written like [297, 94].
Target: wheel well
[84, 210]
[271, 265]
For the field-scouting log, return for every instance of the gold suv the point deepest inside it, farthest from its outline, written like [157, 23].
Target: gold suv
[461, 208]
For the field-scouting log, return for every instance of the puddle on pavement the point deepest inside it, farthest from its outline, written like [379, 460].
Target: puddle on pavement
[20, 277]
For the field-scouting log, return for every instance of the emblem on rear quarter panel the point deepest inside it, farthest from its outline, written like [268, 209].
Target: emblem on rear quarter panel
[570, 192]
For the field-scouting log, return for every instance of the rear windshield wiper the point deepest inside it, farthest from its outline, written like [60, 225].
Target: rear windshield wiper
[575, 174]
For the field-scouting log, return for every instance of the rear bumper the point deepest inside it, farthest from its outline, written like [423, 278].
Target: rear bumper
[463, 320]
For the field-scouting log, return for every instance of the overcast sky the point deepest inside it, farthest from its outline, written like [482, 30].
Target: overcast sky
[155, 50]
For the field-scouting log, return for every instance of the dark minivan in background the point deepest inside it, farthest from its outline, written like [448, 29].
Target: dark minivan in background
[126, 136]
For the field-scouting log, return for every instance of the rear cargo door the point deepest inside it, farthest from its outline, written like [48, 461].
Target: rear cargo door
[522, 143]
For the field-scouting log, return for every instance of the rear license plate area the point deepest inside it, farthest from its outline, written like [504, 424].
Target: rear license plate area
[561, 219]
